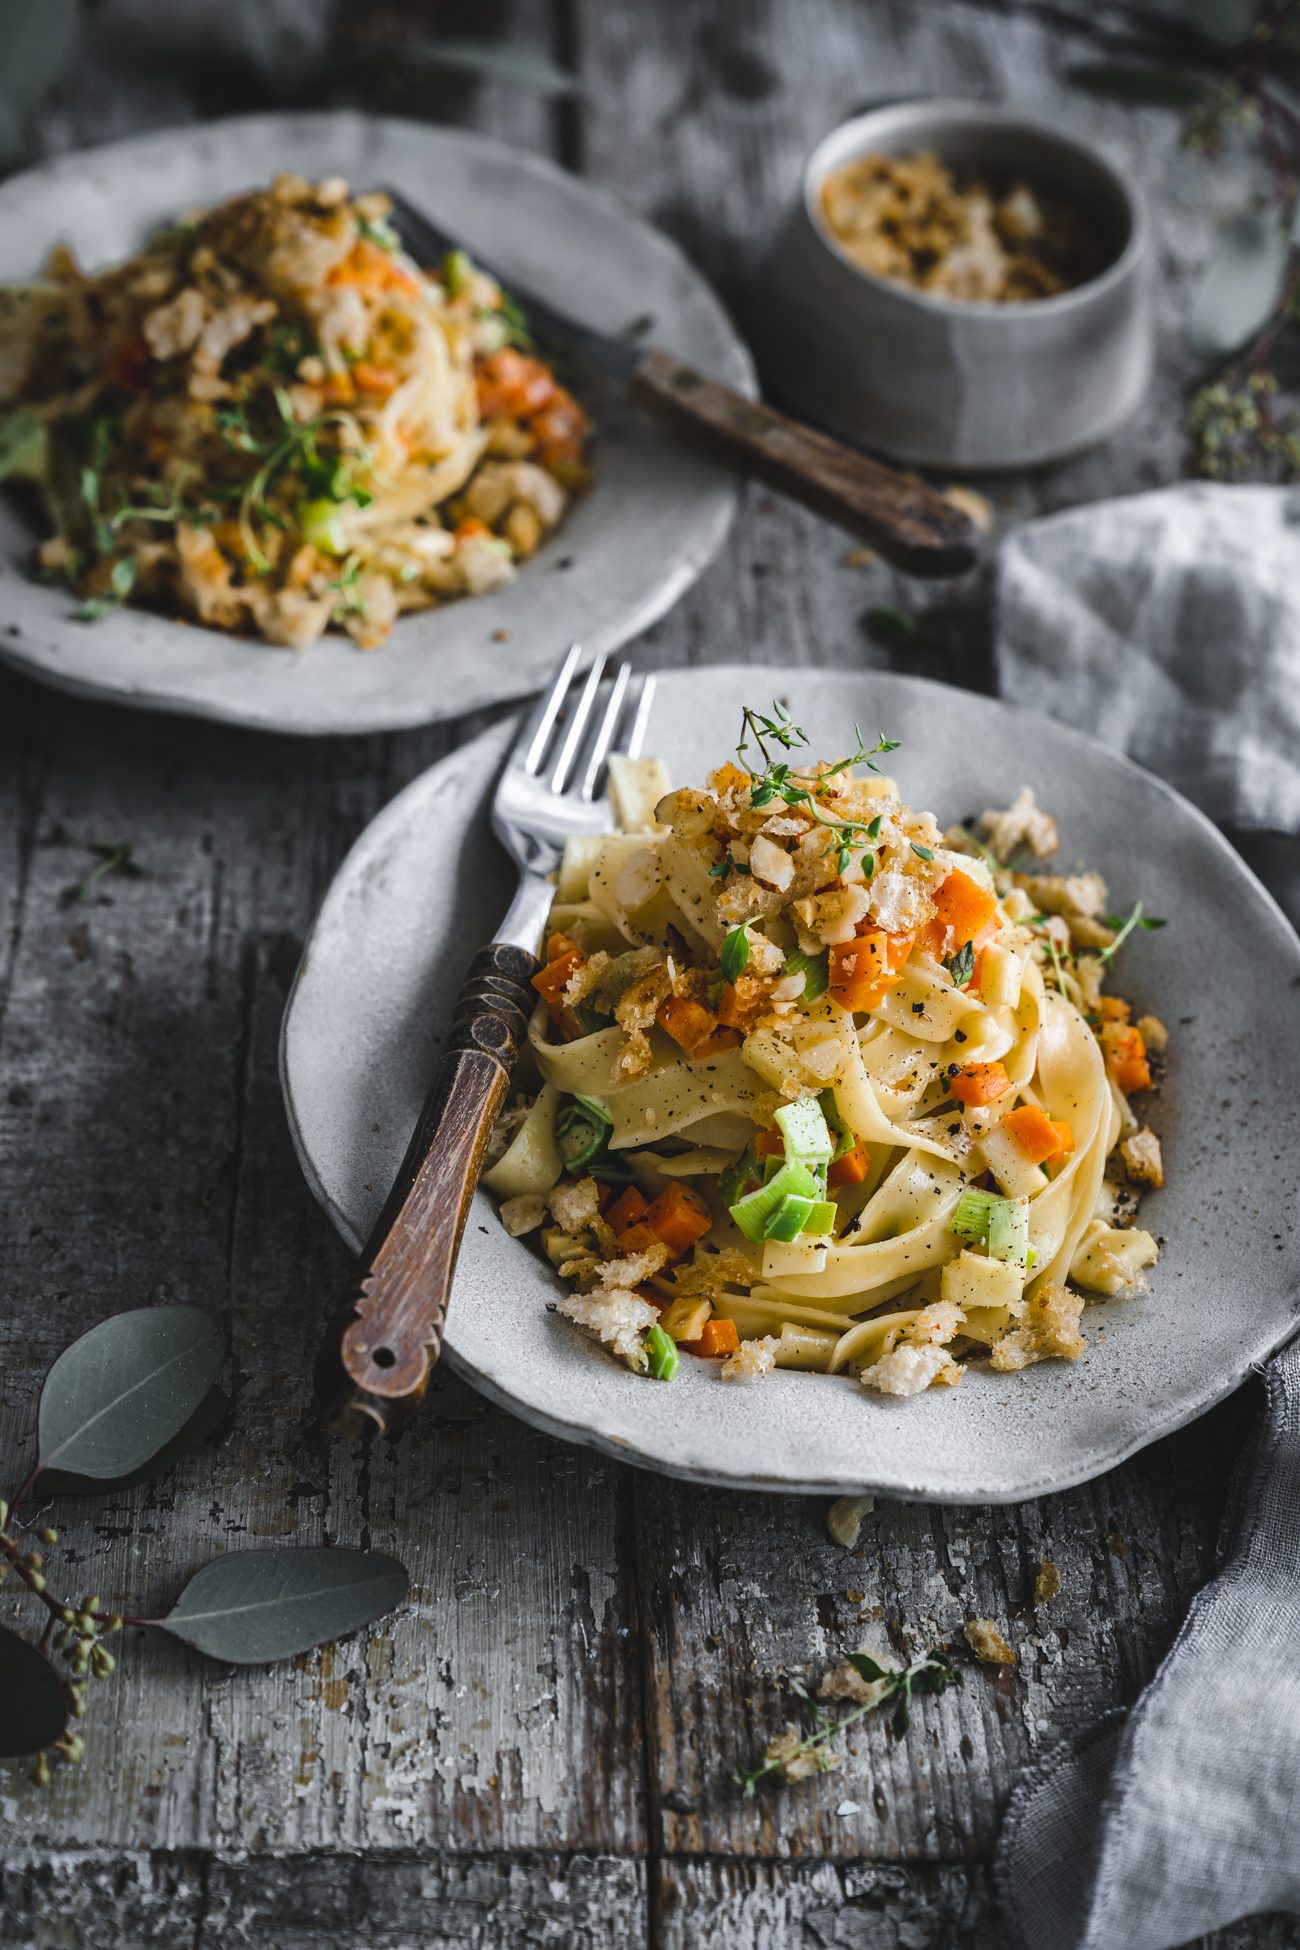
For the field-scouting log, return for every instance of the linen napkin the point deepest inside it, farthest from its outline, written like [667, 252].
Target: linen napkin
[1183, 1814]
[1168, 625]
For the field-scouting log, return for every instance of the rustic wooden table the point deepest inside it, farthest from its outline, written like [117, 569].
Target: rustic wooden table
[540, 1748]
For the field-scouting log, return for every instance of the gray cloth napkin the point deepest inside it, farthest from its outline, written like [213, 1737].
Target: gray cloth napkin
[1168, 625]
[1178, 1817]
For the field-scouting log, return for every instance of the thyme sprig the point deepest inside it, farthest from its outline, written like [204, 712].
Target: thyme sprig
[111, 856]
[294, 444]
[808, 790]
[932, 1674]
[1125, 925]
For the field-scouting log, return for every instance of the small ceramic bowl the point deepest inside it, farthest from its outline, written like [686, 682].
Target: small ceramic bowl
[948, 383]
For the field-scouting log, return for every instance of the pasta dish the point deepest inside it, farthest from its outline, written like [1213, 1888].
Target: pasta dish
[272, 420]
[817, 1085]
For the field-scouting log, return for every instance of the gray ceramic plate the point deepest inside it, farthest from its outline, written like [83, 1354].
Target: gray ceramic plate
[424, 887]
[654, 519]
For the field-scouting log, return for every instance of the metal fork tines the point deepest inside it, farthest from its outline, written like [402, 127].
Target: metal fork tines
[554, 782]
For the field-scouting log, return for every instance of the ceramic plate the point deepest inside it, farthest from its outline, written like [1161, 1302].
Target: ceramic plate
[425, 886]
[654, 518]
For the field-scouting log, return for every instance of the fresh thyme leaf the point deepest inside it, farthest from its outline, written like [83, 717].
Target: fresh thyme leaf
[721, 868]
[111, 856]
[121, 579]
[961, 966]
[922, 852]
[932, 1674]
[735, 953]
[1126, 925]
[638, 327]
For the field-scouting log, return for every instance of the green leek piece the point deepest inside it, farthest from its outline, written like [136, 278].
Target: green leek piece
[844, 1138]
[790, 1217]
[824, 1217]
[752, 1212]
[733, 1180]
[662, 1358]
[582, 1129]
[24, 447]
[807, 1135]
[815, 970]
[456, 268]
[321, 525]
[1000, 1224]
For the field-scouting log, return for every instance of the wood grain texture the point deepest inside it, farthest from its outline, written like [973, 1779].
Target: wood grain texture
[475, 1772]
[377, 1357]
[909, 523]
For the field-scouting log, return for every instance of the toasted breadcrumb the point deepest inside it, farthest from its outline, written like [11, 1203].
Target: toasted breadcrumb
[844, 1519]
[1047, 1581]
[987, 1643]
[619, 1317]
[523, 1214]
[1142, 1159]
[1153, 1034]
[1048, 1332]
[576, 1206]
[751, 1359]
[1076, 896]
[794, 1766]
[909, 1370]
[846, 1682]
[936, 1324]
[1023, 824]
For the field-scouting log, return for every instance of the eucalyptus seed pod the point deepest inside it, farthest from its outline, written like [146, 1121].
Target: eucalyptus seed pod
[41, 1771]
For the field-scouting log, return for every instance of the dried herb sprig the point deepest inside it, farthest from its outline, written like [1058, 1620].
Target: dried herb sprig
[933, 1674]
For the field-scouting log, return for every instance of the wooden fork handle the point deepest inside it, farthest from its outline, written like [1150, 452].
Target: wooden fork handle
[382, 1343]
[908, 523]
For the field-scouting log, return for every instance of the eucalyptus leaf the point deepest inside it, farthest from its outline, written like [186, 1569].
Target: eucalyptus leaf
[252, 1607]
[1241, 286]
[124, 1391]
[36, 37]
[202, 1425]
[1139, 87]
[35, 1707]
[494, 63]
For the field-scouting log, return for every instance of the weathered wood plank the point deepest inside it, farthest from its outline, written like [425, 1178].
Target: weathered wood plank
[143, 1155]
[856, 1906]
[138, 1901]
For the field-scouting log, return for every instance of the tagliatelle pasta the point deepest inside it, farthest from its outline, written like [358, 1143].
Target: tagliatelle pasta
[821, 1086]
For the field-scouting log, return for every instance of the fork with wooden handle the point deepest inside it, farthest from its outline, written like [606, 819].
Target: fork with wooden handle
[382, 1343]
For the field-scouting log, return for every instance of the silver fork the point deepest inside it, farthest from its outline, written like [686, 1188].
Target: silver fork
[375, 1363]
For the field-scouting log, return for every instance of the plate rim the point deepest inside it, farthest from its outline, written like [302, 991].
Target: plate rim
[40, 663]
[1227, 1379]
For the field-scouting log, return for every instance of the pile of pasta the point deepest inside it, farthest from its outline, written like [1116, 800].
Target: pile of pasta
[819, 1086]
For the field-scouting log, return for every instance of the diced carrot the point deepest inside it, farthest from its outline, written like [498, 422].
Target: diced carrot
[369, 267]
[851, 1169]
[962, 909]
[770, 1144]
[469, 527]
[729, 778]
[717, 1044]
[511, 384]
[688, 1023]
[1036, 1133]
[372, 378]
[560, 944]
[718, 1337]
[628, 1207]
[338, 389]
[742, 1001]
[1126, 1056]
[979, 1083]
[551, 981]
[678, 1217]
[864, 970]
[1112, 1008]
[637, 1239]
[604, 1193]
